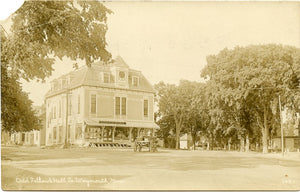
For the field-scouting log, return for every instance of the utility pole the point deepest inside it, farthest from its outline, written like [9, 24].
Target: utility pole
[281, 127]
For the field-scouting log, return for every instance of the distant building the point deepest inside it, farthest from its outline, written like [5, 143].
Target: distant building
[186, 141]
[36, 136]
[40, 112]
[32, 138]
[100, 103]
[291, 134]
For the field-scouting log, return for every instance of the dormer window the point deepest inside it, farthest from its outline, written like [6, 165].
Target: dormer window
[135, 81]
[122, 76]
[63, 83]
[68, 80]
[106, 77]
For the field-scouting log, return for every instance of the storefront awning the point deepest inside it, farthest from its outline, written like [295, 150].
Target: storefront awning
[121, 123]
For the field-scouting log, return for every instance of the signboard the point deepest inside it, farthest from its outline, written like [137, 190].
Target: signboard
[113, 122]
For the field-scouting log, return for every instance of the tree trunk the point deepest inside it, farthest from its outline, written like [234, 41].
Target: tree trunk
[242, 144]
[207, 146]
[247, 143]
[193, 134]
[212, 142]
[177, 139]
[229, 144]
[194, 143]
[299, 132]
[265, 132]
[177, 135]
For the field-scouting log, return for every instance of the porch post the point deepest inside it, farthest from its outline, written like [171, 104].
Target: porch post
[138, 133]
[152, 132]
[130, 134]
[82, 132]
[113, 134]
[102, 133]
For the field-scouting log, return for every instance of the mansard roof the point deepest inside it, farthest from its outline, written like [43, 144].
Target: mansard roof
[91, 76]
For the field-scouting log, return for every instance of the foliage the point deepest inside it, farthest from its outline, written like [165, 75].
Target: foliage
[248, 81]
[239, 102]
[40, 31]
[178, 109]
[43, 29]
[16, 111]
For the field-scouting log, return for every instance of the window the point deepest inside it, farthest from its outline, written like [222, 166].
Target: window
[69, 132]
[135, 81]
[93, 132]
[50, 136]
[122, 75]
[54, 115]
[69, 104]
[123, 105]
[54, 133]
[78, 104]
[120, 107]
[68, 80]
[93, 103]
[78, 131]
[60, 133]
[59, 112]
[146, 108]
[106, 77]
[63, 83]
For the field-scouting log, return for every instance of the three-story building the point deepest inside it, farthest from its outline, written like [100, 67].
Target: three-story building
[100, 103]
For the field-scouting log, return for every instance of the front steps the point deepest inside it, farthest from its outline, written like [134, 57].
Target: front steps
[109, 145]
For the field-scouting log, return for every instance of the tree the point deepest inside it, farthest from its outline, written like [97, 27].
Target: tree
[252, 77]
[42, 30]
[175, 101]
[167, 125]
[16, 111]
[196, 118]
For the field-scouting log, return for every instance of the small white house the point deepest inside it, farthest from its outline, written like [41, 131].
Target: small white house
[26, 138]
[186, 141]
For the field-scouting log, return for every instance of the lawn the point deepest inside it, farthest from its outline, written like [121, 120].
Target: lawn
[102, 169]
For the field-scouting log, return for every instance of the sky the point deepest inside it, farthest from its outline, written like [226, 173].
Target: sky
[169, 41]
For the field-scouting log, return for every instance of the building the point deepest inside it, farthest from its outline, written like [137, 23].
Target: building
[100, 103]
[36, 136]
[32, 138]
[291, 133]
[186, 141]
[41, 114]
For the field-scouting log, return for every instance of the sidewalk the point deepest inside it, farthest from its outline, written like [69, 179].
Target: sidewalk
[295, 156]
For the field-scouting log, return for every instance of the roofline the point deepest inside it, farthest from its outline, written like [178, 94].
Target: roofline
[82, 85]
[85, 66]
[67, 74]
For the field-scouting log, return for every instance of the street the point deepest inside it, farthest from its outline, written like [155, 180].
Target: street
[119, 169]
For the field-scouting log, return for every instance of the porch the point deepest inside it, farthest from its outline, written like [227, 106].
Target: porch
[116, 132]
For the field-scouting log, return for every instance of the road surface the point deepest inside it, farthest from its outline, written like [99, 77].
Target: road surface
[25, 168]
